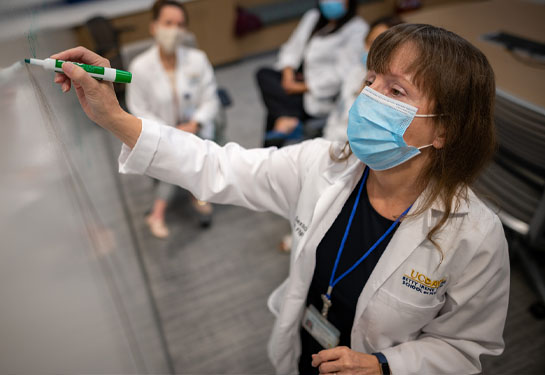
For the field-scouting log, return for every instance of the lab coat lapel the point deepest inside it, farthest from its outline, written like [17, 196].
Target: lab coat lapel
[342, 179]
[410, 234]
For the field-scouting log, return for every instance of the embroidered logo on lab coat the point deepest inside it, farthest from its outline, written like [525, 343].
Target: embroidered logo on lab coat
[419, 282]
[299, 227]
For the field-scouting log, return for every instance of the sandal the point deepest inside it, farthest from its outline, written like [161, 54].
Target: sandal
[296, 133]
[285, 244]
[204, 210]
[157, 227]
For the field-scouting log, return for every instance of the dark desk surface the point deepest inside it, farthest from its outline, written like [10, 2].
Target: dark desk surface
[525, 18]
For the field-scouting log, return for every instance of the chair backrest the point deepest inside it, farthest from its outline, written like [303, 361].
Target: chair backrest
[515, 181]
[521, 130]
[106, 39]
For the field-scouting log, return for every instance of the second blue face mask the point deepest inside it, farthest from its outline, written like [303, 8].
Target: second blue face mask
[364, 58]
[333, 9]
[376, 124]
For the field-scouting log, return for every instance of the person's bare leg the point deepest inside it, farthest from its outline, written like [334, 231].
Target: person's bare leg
[285, 124]
[156, 220]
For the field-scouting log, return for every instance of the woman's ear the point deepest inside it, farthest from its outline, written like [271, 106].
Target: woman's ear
[152, 27]
[439, 140]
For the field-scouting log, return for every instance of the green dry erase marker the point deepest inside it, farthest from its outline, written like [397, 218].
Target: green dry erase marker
[98, 72]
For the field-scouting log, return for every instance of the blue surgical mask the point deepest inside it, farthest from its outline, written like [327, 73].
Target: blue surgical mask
[332, 9]
[364, 58]
[376, 124]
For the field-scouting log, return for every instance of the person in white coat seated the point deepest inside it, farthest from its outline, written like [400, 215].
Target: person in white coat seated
[396, 266]
[311, 65]
[175, 85]
[337, 120]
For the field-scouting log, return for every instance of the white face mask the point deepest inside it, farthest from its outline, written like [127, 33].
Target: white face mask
[168, 38]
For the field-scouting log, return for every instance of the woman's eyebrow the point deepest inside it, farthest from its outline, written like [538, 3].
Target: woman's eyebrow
[406, 78]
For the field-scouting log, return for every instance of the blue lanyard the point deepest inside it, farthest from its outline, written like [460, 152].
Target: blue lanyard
[332, 280]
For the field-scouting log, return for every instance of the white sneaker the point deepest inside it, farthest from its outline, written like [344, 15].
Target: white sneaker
[157, 227]
[285, 244]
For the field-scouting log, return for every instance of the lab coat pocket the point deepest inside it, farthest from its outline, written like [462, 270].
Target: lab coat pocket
[389, 321]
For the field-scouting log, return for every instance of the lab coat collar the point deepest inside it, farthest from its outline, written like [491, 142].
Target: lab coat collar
[458, 206]
[339, 170]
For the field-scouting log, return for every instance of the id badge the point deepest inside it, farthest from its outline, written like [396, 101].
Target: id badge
[320, 328]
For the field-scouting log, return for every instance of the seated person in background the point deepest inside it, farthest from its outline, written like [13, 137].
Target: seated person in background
[310, 68]
[337, 121]
[174, 85]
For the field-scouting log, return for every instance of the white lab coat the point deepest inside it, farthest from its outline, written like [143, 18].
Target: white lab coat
[326, 58]
[150, 94]
[419, 332]
[337, 120]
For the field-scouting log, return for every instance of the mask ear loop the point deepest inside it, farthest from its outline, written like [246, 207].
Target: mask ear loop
[427, 115]
[434, 115]
[425, 146]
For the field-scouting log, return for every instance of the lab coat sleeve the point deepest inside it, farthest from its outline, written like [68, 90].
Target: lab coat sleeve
[327, 81]
[209, 103]
[291, 52]
[337, 120]
[137, 96]
[258, 179]
[470, 323]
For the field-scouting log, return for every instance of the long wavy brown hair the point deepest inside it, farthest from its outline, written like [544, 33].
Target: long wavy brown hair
[459, 81]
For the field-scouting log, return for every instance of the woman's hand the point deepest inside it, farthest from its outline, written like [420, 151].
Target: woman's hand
[97, 98]
[290, 85]
[190, 126]
[295, 87]
[343, 361]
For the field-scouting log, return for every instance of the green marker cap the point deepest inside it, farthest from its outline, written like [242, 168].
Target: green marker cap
[122, 76]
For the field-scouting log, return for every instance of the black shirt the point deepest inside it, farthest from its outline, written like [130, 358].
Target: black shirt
[367, 227]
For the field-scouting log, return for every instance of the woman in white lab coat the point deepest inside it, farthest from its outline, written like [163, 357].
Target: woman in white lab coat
[337, 120]
[310, 68]
[175, 85]
[431, 295]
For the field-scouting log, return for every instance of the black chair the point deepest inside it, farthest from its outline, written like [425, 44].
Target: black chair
[514, 185]
[314, 127]
[106, 40]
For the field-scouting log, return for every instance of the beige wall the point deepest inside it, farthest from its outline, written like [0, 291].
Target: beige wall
[213, 23]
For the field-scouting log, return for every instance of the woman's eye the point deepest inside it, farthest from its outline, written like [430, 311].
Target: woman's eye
[368, 82]
[396, 92]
